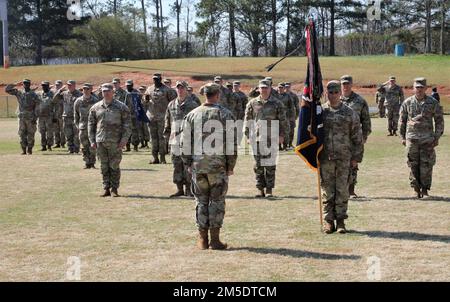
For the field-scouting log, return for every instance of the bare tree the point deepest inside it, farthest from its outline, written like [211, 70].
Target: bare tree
[144, 19]
[428, 26]
[274, 51]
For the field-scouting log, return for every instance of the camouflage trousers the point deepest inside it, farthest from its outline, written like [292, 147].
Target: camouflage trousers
[210, 191]
[89, 153]
[27, 130]
[393, 115]
[58, 130]
[381, 110]
[144, 134]
[291, 132]
[265, 175]
[71, 133]
[354, 173]
[181, 175]
[110, 157]
[46, 130]
[134, 137]
[421, 159]
[157, 135]
[334, 175]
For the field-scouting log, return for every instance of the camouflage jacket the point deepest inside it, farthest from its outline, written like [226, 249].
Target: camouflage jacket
[109, 123]
[359, 105]
[46, 108]
[269, 110]
[159, 99]
[416, 120]
[68, 99]
[227, 100]
[296, 100]
[380, 98]
[176, 111]
[289, 106]
[241, 101]
[394, 96]
[28, 102]
[129, 102]
[343, 137]
[195, 98]
[120, 95]
[172, 93]
[199, 154]
[81, 110]
[59, 107]
[254, 93]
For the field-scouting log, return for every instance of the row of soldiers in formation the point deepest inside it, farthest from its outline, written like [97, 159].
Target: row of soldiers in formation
[107, 127]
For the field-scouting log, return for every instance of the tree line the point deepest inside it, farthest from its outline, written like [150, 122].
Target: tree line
[147, 29]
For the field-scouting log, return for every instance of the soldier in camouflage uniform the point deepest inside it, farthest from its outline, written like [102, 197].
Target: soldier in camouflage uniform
[158, 97]
[173, 92]
[109, 129]
[192, 95]
[380, 98]
[342, 149]
[360, 106]
[241, 100]
[264, 109]
[27, 113]
[119, 93]
[68, 97]
[58, 127]
[46, 114]
[293, 118]
[134, 138]
[255, 91]
[210, 168]
[144, 133]
[420, 136]
[289, 108]
[226, 98]
[81, 110]
[394, 98]
[176, 111]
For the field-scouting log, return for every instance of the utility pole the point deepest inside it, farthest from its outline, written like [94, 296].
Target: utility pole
[4, 19]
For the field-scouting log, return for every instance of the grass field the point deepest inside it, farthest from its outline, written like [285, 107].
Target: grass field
[368, 71]
[49, 211]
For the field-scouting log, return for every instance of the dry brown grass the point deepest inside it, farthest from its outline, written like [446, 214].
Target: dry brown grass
[49, 210]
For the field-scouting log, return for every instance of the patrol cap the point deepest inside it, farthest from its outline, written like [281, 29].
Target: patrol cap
[333, 86]
[346, 79]
[157, 76]
[87, 86]
[211, 88]
[58, 82]
[217, 78]
[281, 85]
[107, 87]
[116, 81]
[26, 81]
[45, 83]
[167, 81]
[420, 82]
[142, 88]
[268, 79]
[236, 83]
[392, 78]
[71, 82]
[130, 83]
[287, 84]
[182, 83]
[228, 84]
[264, 84]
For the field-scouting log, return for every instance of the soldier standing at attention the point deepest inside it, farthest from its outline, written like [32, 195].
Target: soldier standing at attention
[58, 129]
[241, 98]
[109, 130]
[380, 98]
[176, 111]
[82, 107]
[210, 168]
[420, 136]
[289, 108]
[134, 138]
[27, 113]
[394, 99]
[144, 133]
[294, 116]
[68, 97]
[360, 106]
[342, 149]
[46, 114]
[119, 93]
[158, 97]
[260, 114]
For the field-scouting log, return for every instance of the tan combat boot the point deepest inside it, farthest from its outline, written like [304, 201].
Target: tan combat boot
[261, 194]
[269, 193]
[425, 193]
[162, 159]
[328, 227]
[340, 226]
[351, 191]
[179, 191]
[215, 243]
[24, 151]
[106, 193]
[202, 242]
[115, 193]
[418, 192]
[155, 159]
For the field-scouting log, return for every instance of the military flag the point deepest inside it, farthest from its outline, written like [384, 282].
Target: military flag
[139, 111]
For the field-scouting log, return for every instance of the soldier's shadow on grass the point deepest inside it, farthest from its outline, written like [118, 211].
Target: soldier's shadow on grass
[137, 170]
[431, 198]
[296, 253]
[403, 235]
[142, 197]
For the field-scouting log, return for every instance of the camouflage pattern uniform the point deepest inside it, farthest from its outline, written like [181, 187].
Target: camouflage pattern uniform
[176, 111]
[120, 95]
[241, 100]
[293, 117]
[380, 98]
[142, 127]
[342, 144]
[209, 171]
[58, 126]
[134, 139]
[108, 126]
[46, 113]
[393, 100]
[27, 114]
[82, 107]
[416, 127]
[157, 106]
[227, 99]
[70, 130]
[195, 98]
[289, 108]
[268, 110]
[361, 108]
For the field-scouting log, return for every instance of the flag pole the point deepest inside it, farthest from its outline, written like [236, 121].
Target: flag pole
[319, 191]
